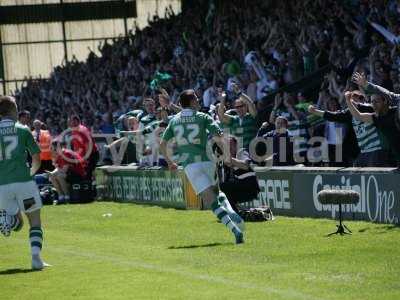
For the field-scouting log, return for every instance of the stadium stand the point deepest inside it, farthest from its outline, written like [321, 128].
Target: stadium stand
[270, 49]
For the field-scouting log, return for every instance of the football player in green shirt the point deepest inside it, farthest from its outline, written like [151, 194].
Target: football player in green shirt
[18, 191]
[190, 129]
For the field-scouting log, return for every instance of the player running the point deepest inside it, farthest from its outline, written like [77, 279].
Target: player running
[190, 130]
[18, 192]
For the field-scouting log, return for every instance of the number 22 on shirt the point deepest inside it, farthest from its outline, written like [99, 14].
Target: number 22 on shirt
[187, 134]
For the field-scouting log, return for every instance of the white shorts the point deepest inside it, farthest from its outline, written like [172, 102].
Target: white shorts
[201, 175]
[22, 196]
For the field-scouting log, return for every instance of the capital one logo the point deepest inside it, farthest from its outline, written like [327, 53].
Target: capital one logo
[376, 203]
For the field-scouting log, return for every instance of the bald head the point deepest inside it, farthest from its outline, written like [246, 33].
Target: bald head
[37, 124]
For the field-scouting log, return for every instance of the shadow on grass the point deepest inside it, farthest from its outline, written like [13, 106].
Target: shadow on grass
[16, 271]
[382, 229]
[200, 246]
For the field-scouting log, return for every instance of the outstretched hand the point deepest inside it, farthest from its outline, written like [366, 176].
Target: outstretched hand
[348, 95]
[172, 167]
[312, 109]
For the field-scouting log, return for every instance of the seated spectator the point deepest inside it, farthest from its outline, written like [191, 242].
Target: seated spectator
[70, 168]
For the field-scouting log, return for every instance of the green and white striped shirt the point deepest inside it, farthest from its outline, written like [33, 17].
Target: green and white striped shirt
[368, 137]
[243, 128]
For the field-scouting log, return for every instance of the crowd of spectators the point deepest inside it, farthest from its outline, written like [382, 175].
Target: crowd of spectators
[235, 55]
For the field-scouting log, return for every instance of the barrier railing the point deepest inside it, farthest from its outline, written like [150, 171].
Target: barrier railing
[149, 186]
[290, 191]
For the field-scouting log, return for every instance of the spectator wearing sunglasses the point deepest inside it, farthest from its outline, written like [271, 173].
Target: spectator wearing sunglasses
[243, 125]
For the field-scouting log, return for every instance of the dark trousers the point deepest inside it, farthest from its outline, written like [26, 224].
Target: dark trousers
[378, 158]
[46, 165]
[92, 163]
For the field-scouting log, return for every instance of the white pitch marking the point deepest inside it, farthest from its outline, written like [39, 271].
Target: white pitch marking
[288, 293]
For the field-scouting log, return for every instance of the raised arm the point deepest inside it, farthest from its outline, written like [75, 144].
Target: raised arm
[370, 88]
[363, 117]
[223, 117]
[314, 111]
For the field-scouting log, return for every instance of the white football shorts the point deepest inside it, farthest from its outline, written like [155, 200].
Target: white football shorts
[201, 175]
[22, 196]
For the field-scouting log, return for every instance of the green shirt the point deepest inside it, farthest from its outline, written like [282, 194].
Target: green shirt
[190, 130]
[243, 128]
[15, 140]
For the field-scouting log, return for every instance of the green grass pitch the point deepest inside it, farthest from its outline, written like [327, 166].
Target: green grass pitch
[148, 252]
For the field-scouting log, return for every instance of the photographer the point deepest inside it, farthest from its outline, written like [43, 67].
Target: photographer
[236, 177]
[70, 168]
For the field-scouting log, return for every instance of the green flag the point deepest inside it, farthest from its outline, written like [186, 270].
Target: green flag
[158, 79]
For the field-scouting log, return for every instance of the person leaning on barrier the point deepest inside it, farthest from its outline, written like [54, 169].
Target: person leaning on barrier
[126, 141]
[334, 132]
[384, 118]
[363, 143]
[297, 124]
[282, 145]
[236, 177]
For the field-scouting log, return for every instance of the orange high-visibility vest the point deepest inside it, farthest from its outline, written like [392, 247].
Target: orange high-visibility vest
[44, 144]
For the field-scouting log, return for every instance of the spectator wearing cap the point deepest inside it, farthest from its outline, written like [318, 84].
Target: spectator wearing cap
[43, 139]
